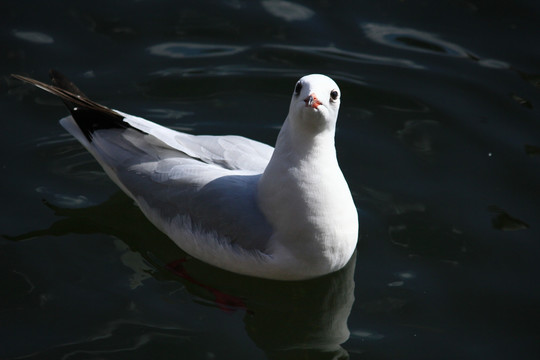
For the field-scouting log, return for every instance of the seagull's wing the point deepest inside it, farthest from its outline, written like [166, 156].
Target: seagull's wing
[205, 183]
[230, 152]
[178, 191]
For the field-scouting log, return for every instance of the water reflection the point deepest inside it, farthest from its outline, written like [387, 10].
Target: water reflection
[287, 10]
[411, 39]
[287, 320]
[532, 150]
[419, 135]
[335, 53]
[416, 40]
[33, 37]
[501, 220]
[178, 50]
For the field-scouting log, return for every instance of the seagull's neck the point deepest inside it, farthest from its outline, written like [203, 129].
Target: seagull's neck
[305, 197]
[296, 144]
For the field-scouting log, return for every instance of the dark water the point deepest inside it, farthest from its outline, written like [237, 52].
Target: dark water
[439, 138]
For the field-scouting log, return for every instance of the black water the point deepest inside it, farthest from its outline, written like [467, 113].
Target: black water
[439, 138]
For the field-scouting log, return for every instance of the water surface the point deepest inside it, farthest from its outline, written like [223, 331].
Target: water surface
[439, 138]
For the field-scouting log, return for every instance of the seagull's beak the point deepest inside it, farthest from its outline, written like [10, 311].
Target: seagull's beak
[312, 101]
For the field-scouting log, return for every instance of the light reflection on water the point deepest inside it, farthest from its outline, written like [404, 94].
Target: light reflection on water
[34, 37]
[288, 11]
[178, 50]
[411, 39]
[333, 53]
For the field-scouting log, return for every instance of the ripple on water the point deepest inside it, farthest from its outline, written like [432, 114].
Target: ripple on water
[416, 40]
[179, 50]
[411, 39]
[33, 36]
[334, 53]
[67, 156]
[287, 11]
[367, 335]
[64, 200]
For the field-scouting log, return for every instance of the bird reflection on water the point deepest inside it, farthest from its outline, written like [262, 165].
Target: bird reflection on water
[284, 319]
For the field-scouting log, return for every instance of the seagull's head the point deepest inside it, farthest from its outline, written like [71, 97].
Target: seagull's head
[315, 102]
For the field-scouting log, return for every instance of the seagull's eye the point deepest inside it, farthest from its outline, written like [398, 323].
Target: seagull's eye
[298, 88]
[334, 94]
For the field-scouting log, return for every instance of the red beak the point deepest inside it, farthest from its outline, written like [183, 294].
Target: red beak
[312, 101]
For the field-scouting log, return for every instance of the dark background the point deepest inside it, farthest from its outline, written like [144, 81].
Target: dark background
[439, 138]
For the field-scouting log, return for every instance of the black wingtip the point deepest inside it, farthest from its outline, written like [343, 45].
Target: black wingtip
[58, 79]
[89, 115]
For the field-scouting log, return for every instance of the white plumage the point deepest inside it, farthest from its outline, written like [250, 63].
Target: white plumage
[284, 213]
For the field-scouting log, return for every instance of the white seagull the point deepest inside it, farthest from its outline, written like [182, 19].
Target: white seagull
[281, 213]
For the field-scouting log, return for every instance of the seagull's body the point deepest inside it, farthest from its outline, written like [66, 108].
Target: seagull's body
[284, 213]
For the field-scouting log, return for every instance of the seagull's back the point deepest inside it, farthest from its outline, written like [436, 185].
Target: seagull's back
[196, 189]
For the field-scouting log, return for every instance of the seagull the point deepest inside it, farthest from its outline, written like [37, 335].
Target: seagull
[283, 213]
